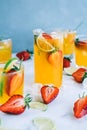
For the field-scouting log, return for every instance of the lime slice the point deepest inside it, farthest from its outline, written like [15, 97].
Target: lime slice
[4, 128]
[10, 64]
[70, 70]
[43, 123]
[38, 105]
[44, 45]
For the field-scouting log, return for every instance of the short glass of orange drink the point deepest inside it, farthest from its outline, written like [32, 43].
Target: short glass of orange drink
[11, 79]
[48, 58]
[5, 49]
[81, 50]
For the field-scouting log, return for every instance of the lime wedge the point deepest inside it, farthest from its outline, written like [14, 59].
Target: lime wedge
[44, 45]
[70, 70]
[38, 105]
[10, 64]
[43, 123]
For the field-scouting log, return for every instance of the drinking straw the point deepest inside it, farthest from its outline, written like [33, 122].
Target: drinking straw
[78, 25]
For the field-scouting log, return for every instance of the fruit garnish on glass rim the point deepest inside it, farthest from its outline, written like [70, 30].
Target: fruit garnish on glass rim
[44, 45]
[10, 64]
[79, 42]
[46, 36]
[15, 80]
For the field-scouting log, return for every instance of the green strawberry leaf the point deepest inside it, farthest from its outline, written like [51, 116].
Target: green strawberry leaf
[76, 41]
[85, 76]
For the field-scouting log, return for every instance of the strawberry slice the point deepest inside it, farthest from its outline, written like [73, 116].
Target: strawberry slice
[49, 93]
[16, 104]
[55, 58]
[79, 74]
[46, 36]
[80, 107]
[15, 83]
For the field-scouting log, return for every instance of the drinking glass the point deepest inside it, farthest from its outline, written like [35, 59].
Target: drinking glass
[68, 42]
[11, 82]
[81, 50]
[48, 58]
[5, 50]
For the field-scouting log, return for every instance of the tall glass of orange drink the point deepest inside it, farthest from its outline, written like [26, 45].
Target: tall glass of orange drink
[5, 50]
[48, 58]
[81, 50]
[11, 79]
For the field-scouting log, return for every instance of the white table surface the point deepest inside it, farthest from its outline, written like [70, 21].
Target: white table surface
[60, 110]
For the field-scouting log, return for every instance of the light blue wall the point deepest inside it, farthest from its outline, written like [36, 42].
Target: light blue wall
[19, 17]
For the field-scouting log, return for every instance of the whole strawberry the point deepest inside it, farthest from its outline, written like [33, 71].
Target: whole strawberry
[24, 55]
[80, 74]
[66, 62]
[16, 104]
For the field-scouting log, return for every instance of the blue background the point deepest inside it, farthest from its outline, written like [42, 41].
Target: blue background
[19, 17]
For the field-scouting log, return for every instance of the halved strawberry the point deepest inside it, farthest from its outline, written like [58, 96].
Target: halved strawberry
[49, 93]
[80, 107]
[79, 74]
[16, 104]
[55, 58]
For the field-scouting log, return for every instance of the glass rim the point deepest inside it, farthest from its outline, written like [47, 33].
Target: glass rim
[81, 37]
[6, 40]
[14, 72]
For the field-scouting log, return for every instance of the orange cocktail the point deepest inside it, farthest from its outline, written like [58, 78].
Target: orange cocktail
[5, 50]
[11, 80]
[48, 59]
[81, 51]
[69, 37]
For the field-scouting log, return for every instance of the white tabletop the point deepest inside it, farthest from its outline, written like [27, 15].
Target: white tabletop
[60, 110]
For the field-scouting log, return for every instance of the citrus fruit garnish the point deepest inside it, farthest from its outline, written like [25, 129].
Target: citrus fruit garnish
[10, 64]
[38, 105]
[70, 70]
[44, 45]
[43, 123]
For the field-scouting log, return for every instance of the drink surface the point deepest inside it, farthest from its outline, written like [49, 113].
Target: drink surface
[44, 50]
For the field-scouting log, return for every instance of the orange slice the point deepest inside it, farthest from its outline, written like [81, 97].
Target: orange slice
[44, 45]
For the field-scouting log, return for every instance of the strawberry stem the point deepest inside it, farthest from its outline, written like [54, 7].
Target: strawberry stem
[83, 95]
[27, 100]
